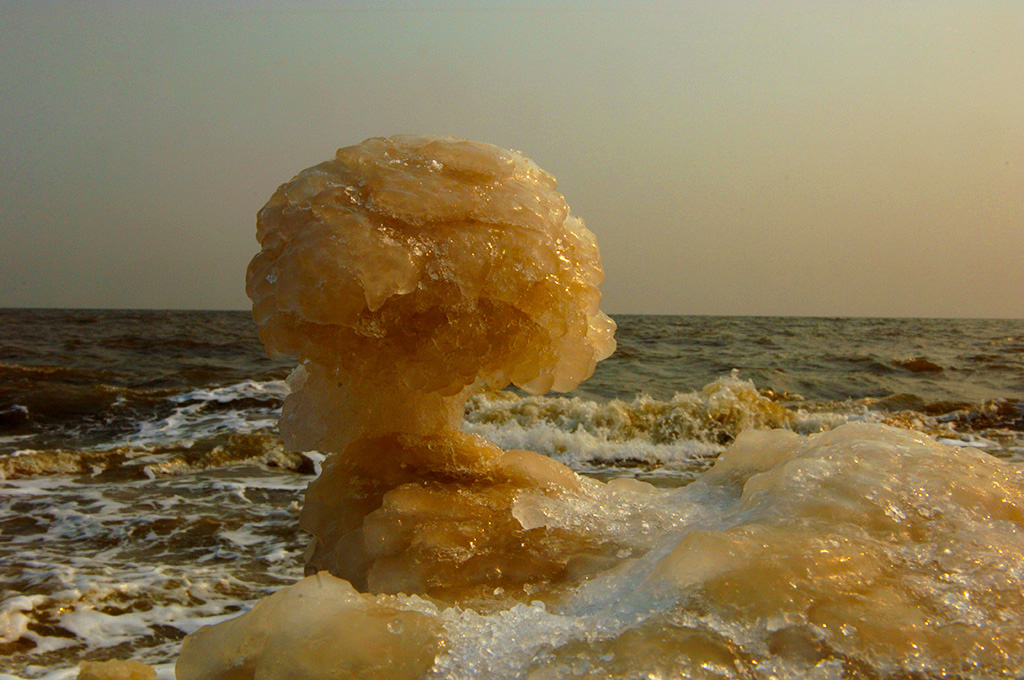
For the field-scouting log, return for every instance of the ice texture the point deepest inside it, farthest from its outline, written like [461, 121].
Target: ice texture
[410, 273]
[115, 670]
[866, 551]
[407, 274]
[319, 628]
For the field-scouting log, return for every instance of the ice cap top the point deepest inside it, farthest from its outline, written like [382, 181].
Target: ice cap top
[443, 263]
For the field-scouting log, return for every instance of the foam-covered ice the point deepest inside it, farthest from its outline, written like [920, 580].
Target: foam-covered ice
[864, 551]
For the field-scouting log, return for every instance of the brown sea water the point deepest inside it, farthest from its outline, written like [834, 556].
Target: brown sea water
[146, 491]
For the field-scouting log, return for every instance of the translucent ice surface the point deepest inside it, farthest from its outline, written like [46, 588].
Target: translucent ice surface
[865, 551]
[410, 273]
[407, 274]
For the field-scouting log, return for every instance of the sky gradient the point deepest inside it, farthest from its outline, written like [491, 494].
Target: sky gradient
[828, 158]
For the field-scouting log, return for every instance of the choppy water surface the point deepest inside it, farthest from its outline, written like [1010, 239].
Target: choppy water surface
[145, 493]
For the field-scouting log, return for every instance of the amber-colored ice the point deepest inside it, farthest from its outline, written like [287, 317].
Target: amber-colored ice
[405, 275]
[409, 273]
[319, 628]
[115, 670]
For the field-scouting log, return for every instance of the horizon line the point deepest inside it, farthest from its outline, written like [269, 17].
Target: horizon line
[615, 314]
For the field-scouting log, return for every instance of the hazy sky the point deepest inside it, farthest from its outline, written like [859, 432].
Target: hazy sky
[807, 158]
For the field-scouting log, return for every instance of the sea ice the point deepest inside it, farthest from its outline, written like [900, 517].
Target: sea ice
[409, 273]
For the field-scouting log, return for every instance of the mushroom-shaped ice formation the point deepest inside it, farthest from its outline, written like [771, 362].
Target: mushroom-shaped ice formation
[406, 274]
[414, 271]
[409, 272]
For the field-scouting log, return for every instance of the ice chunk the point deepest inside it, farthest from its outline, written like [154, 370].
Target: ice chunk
[319, 628]
[115, 670]
[415, 266]
[407, 274]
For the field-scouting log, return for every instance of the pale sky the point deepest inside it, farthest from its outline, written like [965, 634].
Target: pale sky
[779, 158]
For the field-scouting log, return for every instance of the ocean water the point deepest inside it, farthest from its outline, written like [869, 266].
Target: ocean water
[145, 492]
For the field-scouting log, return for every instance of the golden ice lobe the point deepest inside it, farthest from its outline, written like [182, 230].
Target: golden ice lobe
[435, 265]
[406, 274]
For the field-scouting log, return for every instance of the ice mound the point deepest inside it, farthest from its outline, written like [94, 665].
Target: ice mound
[407, 274]
[318, 628]
[866, 551]
[873, 546]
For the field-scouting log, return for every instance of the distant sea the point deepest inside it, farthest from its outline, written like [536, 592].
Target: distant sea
[145, 492]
